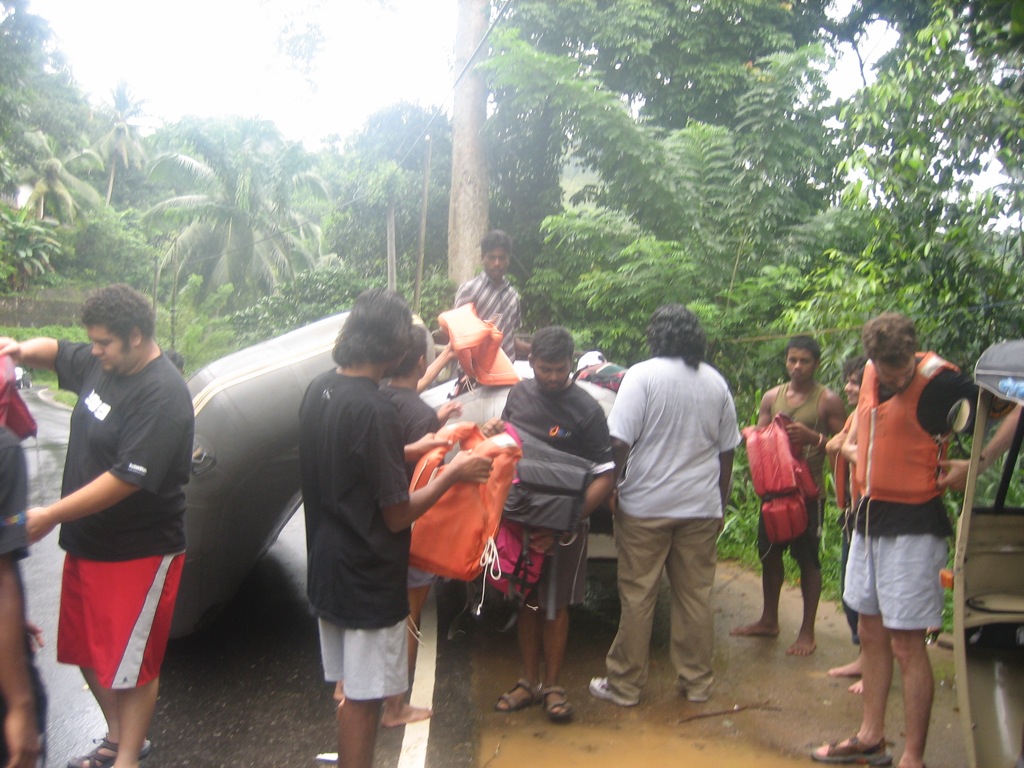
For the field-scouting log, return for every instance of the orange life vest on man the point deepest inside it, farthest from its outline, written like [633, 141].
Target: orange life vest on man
[896, 459]
[847, 488]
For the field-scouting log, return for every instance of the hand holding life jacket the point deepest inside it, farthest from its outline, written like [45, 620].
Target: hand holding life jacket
[455, 537]
[782, 480]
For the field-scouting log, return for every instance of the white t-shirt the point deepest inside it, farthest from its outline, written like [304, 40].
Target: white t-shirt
[677, 420]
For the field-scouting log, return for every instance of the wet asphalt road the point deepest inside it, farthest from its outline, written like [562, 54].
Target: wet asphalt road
[245, 691]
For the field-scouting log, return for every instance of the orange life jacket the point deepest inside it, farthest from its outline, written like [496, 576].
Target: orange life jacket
[455, 537]
[477, 345]
[896, 459]
[843, 477]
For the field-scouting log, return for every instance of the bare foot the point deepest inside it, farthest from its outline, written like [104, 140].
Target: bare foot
[847, 670]
[857, 687]
[406, 714]
[802, 647]
[757, 629]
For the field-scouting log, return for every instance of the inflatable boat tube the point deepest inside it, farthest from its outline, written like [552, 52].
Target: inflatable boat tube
[245, 483]
[245, 464]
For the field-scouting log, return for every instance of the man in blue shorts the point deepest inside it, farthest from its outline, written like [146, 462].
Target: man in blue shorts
[899, 533]
[359, 511]
[121, 512]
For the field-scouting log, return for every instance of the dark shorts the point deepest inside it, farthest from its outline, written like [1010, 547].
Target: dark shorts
[570, 577]
[804, 548]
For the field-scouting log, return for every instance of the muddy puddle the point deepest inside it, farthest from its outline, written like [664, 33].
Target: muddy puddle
[597, 747]
[768, 709]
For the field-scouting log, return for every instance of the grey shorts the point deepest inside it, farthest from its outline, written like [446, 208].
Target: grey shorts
[897, 577]
[371, 662]
[570, 575]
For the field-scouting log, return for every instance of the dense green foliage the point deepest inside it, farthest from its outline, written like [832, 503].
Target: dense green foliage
[640, 152]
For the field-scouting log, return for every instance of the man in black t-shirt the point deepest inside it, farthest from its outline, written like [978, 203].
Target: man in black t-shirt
[358, 513]
[900, 528]
[552, 408]
[418, 420]
[122, 509]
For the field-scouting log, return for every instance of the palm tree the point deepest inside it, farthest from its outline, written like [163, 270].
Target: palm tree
[56, 183]
[240, 226]
[121, 147]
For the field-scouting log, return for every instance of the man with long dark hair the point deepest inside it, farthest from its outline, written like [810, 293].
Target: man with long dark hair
[359, 511]
[674, 432]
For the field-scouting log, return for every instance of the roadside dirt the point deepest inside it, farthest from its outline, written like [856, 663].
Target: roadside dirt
[767, 707]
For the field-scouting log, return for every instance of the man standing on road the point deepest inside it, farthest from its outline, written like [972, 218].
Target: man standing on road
[495, 299]
[551, 408]
[359, 511]
[20, 744]
[674, 431]
[121, 512]
[901, 527]
[816, 413]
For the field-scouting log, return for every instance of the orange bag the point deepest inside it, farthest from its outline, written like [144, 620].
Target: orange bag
[782, 480]
[455, 537]
[477, 345]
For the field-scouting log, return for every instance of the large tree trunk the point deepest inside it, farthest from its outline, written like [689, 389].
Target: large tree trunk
[468, 210]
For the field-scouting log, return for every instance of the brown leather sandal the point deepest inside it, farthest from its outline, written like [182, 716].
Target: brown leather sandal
[559, 710]
[510, 701]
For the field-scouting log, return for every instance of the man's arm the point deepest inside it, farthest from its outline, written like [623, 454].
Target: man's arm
[849, 446]
[834, 412]
[954, 471]
[465, 467]
[597, 492]
[444, 357]
[103, 492]
[35, 353]
[522, 348]
[725, 460]
[19, 727]
[764, 413]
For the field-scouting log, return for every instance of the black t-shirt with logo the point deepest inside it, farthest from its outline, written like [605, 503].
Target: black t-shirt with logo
[139, 428]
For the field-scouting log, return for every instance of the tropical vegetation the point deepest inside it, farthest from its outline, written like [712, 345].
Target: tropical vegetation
[639, 151]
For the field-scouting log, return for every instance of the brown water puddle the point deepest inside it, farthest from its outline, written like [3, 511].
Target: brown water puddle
[594, 747]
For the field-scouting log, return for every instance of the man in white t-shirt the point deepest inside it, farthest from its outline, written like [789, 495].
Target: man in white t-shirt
[674, 431]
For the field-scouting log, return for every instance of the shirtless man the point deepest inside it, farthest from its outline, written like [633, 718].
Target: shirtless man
[817, 413]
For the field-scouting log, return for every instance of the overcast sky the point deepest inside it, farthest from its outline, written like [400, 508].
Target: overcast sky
[229, 57]
[223, 57]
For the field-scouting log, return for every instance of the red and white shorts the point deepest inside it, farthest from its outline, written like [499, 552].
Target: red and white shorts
[115, 617]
